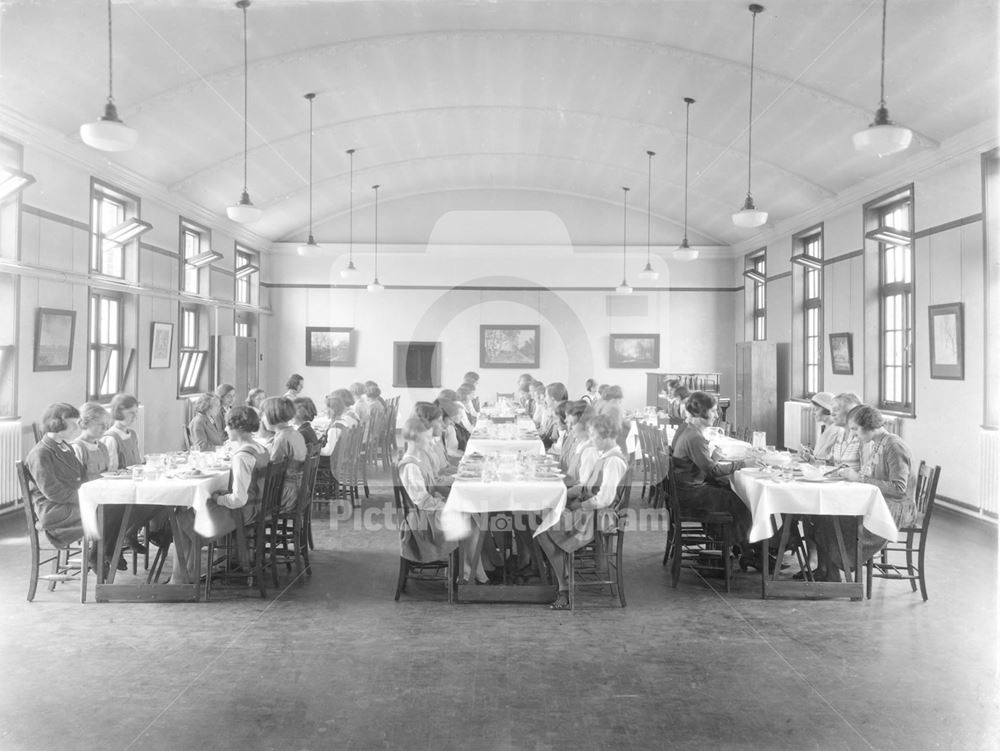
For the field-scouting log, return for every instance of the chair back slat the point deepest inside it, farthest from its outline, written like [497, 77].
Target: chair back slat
[26, 481]
[309, 470]
[927, 480]
[274, 480]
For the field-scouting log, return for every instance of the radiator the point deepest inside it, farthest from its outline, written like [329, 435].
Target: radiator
[10, 452]
[800, 427]
[989, 473]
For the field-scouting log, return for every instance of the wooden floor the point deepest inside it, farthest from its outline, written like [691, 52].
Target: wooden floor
[334, 663]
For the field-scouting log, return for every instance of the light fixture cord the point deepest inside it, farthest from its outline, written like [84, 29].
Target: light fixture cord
[649, 204]
[311, 97]
[753, 37]
[245, 95]
[624, 227]
[375, 188]
[350, 219]
[111, 97]
[882, 78]
[687, 141]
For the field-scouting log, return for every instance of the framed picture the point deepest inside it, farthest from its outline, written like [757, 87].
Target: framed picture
[947, 335]
[508, 347]
[842, 353]
[330, 346]
[54, 331]
[161, 339]
[634, 351]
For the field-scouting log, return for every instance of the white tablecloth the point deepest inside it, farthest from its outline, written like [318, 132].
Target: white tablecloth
[767, 497]
[482, 443]
[467, 497]
[192, 493]
[730, 448]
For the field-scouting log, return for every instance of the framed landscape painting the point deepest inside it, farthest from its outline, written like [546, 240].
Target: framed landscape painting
[634, 351]
[842, 354]
[330, 346]
[54, 331]
[508, 347]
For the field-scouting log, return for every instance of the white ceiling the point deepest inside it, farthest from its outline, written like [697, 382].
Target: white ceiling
[472, 105]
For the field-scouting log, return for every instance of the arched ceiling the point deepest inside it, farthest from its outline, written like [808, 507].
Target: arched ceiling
[545, 105]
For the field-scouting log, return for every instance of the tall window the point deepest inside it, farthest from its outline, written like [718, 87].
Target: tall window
[759, 264]
[195, 242]
[191, 359]
[241, 328]
[896, 305]
[104, 365]
[246, 275]
[812, 313]
[107, 211]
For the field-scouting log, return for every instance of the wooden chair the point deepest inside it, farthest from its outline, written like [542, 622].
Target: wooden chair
[291, 536]
[644, 460]
[599, 562]
[186, 436]
[689, 543]
[36, 432]
[425, 570]
[915, 542]
[68, 562]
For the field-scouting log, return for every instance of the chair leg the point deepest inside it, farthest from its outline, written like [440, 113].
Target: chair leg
[571, 577]
[920, 569]
[33, 574]
[404, 568]
[727, 546]
[869, 565]
[619, 575]
[909, 562]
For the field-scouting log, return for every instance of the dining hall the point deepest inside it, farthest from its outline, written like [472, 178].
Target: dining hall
[500, 374]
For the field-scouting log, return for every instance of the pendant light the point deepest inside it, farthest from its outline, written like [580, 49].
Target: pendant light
[624, 288]
[749, 216]
[685, 252]
[109, 133]
[376, 285]
[351, 272]
[882, 137]
[244, 212]
[310, 244]
[648, 273]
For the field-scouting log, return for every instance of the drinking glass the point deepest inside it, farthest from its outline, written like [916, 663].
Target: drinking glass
[759, 439]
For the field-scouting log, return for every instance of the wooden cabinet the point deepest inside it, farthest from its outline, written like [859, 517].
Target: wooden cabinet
[761, 388]
[237, 363]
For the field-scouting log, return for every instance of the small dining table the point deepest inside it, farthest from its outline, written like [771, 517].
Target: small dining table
[771, 498]
[180, 491]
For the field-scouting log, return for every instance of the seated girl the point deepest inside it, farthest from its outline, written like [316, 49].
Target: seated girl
[58, 475]
[576, 461]
[240, 505]
[286, 443]
[336, 412]
[453, 435]
[305, 413]
[548, 429]
[590, 395]
[205, 436]
[596, 492]
[361, 407]
[254, 399]
[423, 539]
[437, 454]
[702, 481]
[227, 395]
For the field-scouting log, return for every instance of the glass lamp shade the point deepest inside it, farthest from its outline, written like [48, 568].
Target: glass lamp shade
[649, 273]
[882, 139]
[351, 272]
[749, 216]
[244, 212]
[685, 252]
[375, 286]
[109, 133]
[309, 247]
[623, 288]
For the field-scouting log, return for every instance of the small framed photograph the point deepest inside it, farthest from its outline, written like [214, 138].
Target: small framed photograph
[947, 337]
[330, 346]
[634, 351]
[842, 353]
[161, 340]
[508, 347]
[54, 331]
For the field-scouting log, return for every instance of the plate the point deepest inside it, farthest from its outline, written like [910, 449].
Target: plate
[820, 479]
[549, 475]
[188, 474]
[120, 474]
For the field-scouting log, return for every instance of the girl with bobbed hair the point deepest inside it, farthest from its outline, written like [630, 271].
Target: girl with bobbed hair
[454, 437]
[376, 404]
[240, 505]
[254, 399]
[120, 439]
[227, 395]
[205, 436]
[305, 413]
[846, 449]
[577, 432]
[335, 410]
[596, 492]
[590, 391]
[437, 456]
[294, 386]
[886, 463]
[361, 408]
[423, 540]
[467, 398]
[286, 443]
[702, 482]
[350, 416]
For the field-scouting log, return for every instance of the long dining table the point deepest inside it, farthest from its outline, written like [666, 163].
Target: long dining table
[776, 502]
[517, 481]
[176, 491]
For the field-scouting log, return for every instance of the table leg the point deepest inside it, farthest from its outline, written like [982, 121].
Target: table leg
[113, 568]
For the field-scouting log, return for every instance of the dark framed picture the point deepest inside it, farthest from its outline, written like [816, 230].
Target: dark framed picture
[947, 337]
[842, 354]
[330, 346]
[416, 364]
[161, 339]
[54, 330]
[508, 347]
[634, 351]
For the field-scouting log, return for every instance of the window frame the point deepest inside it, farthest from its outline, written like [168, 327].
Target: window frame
[190, 358]
[810, 242]
[204, 235]
[130, 206]
[243, 255]
[758, 262]
[95, 345]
